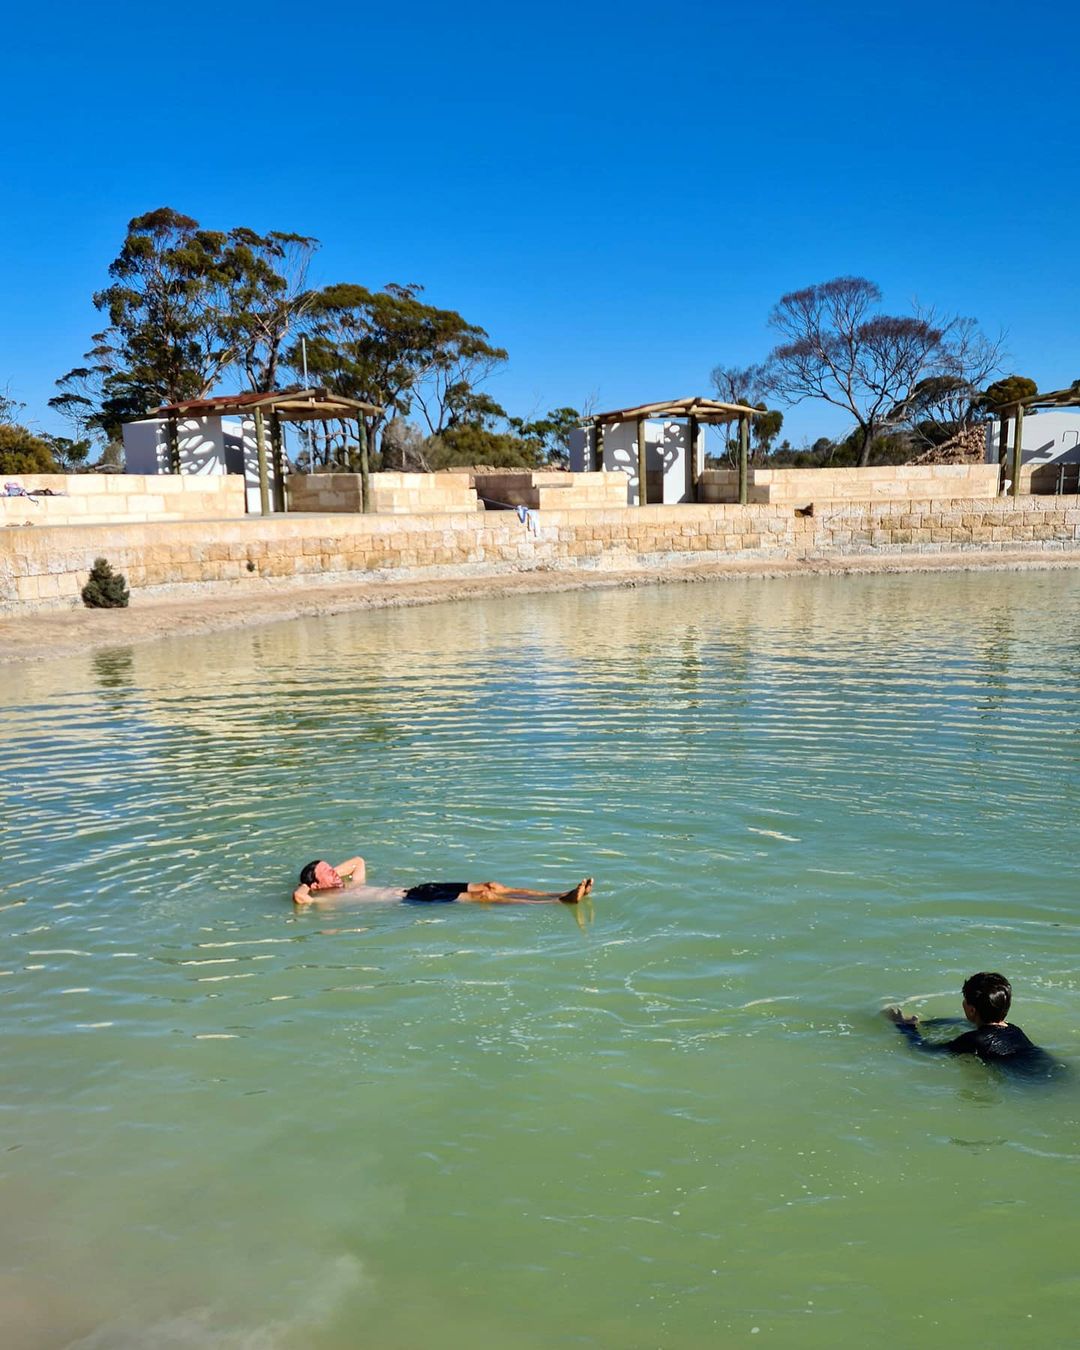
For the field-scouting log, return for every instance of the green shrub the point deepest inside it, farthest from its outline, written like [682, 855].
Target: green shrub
[23, 452]
[106, 589]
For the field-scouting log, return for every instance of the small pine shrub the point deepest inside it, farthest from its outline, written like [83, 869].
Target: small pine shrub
[106, 589]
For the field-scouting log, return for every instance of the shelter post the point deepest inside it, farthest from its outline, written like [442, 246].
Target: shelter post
[173, 425]
[282, 405]
[642, 492]
[697, 413]
[278, 460]
[1002, 449]
[691, 457]
[365, 484]
[260, 448]
[1018, 449]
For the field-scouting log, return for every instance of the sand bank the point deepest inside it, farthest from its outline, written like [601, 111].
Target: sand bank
[59, 633]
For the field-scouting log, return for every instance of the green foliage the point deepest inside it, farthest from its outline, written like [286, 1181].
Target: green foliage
[548, 435]
[105, 589]
[70, 455]
[470, 444]
[265, 299]
[383, 346]
[23, 452]
[747, 385]
[764, 430]
[1003, 395]
[472, 407]
[825, 453]
[472, 437]
[183, 306]
[163, 342]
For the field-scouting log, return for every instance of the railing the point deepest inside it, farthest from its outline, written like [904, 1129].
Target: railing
[1056, 480]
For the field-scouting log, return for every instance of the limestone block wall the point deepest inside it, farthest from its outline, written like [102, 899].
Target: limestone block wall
[722, 486]
[104, 498]
[879, 482]
[391, 493]
[1050, 478]
[45, 567]
[551, 489]
[1026, 524]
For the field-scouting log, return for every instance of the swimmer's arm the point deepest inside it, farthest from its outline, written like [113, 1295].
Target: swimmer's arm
[302, 895]
[355, 870]
[909, 1027]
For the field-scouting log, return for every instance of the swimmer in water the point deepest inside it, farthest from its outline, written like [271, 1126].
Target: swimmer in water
[987, 998]
[322, 884]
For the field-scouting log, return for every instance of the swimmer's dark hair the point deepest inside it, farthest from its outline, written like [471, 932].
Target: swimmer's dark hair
[307, 873]
[989, 994]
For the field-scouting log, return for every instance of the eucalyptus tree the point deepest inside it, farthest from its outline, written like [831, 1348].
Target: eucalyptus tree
[444, 394]
[952, 399]
[749, 385]
[164, 341]
[266, 298]
[69, 454]
[9, 408]
[836, 346]
[185, 305]
[549, 435]
[382, 346]
[740, 384]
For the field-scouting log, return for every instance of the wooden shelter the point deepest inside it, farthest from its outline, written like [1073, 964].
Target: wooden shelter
[282, 405]
[696, 412]
[1057, 398]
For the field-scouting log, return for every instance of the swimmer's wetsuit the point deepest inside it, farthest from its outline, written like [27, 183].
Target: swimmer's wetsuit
[1005, 1047]
[436, 892]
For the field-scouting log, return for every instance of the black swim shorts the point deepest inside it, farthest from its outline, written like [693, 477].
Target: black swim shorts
[437, 892]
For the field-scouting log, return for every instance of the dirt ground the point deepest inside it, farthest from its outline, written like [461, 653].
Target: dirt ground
[57, 633]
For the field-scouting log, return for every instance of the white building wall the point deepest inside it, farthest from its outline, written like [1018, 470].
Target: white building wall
[666, 453]
[1048, 438]
[578, 444]
[208, 445]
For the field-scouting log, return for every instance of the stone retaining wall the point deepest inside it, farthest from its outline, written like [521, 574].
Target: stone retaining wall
[465, 490]
[879, 482]
[104, 498]
[45, 567]
[391, 493]
[1023, 524]
[550, 490]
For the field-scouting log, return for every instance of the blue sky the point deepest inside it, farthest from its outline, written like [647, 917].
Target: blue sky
[618, 194]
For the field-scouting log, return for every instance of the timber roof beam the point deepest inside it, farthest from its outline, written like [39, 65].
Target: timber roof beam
[291, 405]
[709, 410]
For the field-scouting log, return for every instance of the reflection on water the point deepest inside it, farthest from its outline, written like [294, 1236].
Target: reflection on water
[228, 1125]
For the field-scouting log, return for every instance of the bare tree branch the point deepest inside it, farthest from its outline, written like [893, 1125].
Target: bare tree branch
[876, 367]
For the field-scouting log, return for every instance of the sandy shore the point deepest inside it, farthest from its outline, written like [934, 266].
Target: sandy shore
[59, 633]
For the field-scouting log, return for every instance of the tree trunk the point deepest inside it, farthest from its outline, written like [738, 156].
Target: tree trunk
[374, 431]
[864, 451]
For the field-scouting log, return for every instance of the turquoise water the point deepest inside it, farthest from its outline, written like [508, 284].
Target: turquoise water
[674, 1119]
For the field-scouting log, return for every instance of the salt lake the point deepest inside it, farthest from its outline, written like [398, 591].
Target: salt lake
[673, 1118]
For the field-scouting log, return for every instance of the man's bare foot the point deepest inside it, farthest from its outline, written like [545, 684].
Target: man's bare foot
[580, 891]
